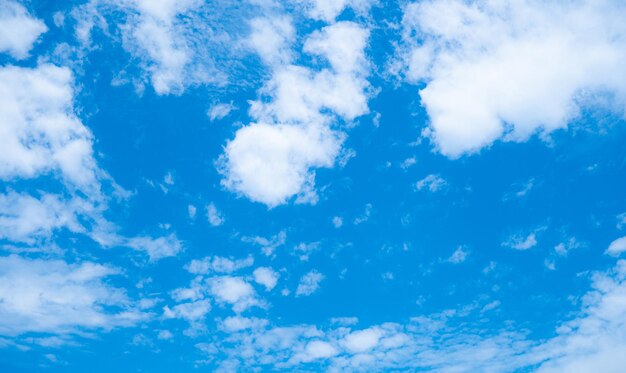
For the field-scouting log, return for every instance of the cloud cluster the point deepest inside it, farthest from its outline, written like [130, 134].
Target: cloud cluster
[274, 159]
[441, 342]
[510, 69]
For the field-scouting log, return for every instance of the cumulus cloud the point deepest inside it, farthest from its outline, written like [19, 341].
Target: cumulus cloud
[52, 296]
[274, 159]
[18, 29]
[510, 69]
[270, 163]
[309, 283]
[266, 277]
[39, 132]
[233, 290]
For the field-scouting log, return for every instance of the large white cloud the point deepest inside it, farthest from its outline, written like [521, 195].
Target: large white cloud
[39, 132]
[270, 163]
[52, 296]
[274, 159]
[18, 29]
[512, 68]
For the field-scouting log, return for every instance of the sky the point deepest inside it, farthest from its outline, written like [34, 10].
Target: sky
[312, 185]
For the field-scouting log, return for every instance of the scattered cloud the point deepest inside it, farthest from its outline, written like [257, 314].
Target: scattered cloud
[309, 283]
[220, 111]
[433, 183]
[214, 216]
[218, 264]
[459, 256]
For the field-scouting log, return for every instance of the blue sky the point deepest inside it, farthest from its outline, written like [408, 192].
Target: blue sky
[312, 185]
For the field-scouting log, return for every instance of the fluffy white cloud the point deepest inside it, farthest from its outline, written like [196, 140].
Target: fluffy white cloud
[18, 29]
[270, 163]
[233, 290]
[362, 340]
[51, 296]
[271, 39]
[39, 132]
[272, 160]
[309, 283]
[266, 277]
[512, 68]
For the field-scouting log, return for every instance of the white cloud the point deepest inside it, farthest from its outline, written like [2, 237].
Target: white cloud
[39, 132]
[214, 216]
[459, 256]
[518, 242]
[617, 247]
[270, 163]
[365, 216]
[268, 245]
[303, 250]
[52, 296]
[362, 340]
[337, 221]
[155, 248]
[191, 211]
[309, 283]
[266, 277]
[175, 43]
[239, 323]
[233, 290]
[432, 182]
[271, 39]
[18, 29]
[328, 10]
[218, 264]
[193, 312]
[273, 160]
[220, 111]
[592, 341]
[512, 68]
[24, 218]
